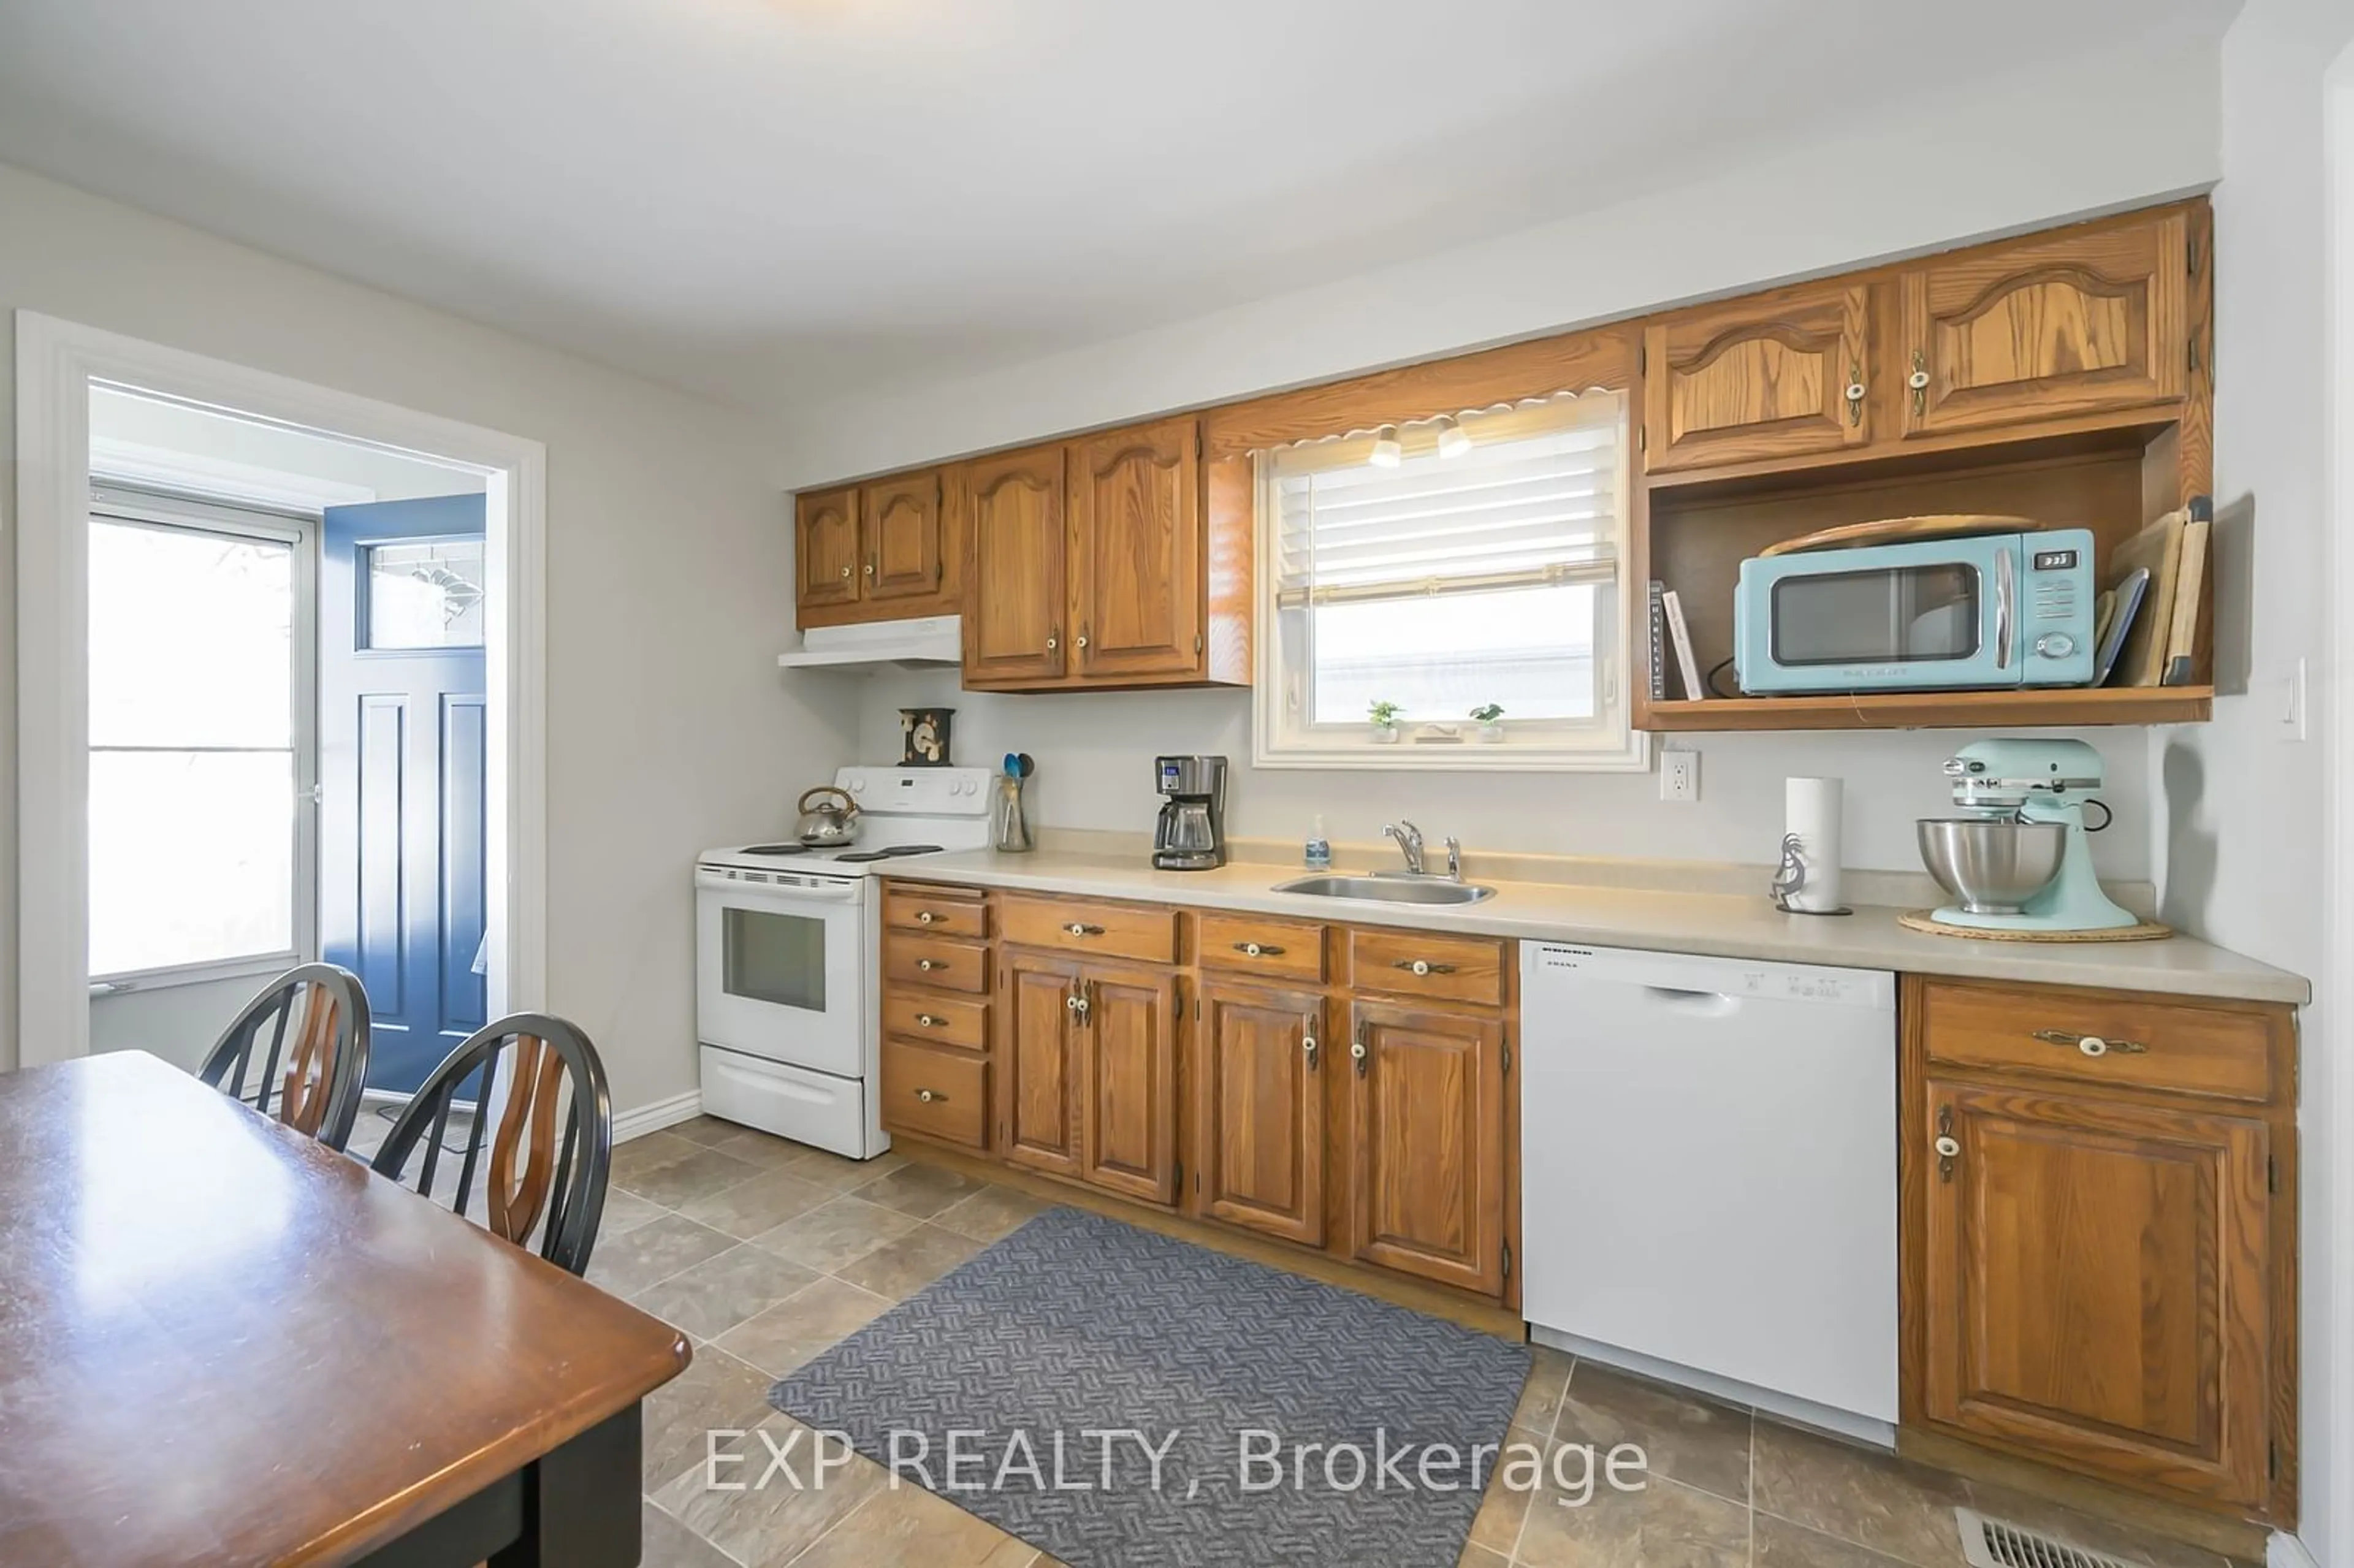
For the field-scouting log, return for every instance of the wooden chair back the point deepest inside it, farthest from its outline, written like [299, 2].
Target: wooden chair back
[550, 1152]
[299, 1052]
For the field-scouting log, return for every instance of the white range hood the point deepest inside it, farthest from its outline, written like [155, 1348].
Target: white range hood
[924, 640]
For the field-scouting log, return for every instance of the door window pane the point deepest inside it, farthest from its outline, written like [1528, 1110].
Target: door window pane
[426, 593]
[778, 958]
[1882, 617]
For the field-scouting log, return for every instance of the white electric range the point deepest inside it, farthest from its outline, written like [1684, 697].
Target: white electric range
[788, 962]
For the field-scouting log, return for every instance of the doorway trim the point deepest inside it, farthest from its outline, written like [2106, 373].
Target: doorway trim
[56, 361]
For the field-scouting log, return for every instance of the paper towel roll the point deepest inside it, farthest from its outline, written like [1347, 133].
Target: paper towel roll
[1811, 808]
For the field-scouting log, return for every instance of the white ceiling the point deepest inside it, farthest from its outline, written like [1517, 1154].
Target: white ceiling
[769, 200]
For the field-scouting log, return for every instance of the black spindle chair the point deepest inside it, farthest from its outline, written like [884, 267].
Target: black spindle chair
[311, 1072]
[551, 1152]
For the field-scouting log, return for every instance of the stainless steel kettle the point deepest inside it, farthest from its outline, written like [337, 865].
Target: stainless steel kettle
[828, 818]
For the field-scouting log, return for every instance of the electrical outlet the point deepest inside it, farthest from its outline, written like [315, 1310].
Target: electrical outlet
[1679, 775]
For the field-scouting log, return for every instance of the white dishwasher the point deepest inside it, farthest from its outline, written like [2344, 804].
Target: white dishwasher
[1708, 1185]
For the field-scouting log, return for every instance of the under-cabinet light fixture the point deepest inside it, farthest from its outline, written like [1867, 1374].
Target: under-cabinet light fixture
[1454, 441]
[1387, 451]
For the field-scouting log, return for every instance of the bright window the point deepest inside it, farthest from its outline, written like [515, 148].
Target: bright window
[196, 658]
[1483, 573]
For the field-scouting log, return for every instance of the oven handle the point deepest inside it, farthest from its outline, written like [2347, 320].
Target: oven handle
[786, 893]
[2006, 617]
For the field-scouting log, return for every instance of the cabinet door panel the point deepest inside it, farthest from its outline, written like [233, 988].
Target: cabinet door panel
[825, 549]
[1426, 1145]
[1038, 1089]
[1758, 378]
[905, 537]
[1009, 512]
[1130, 1125]
[1136, 520]
[2095, 1283]
[1259, 1118]
[2045, 328]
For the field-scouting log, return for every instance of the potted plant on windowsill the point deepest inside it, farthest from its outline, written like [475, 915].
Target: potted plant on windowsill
[1385, 725]
[1490, 716]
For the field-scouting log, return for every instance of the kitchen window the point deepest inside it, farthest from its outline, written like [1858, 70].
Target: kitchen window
[1444, 567]
[200, 669]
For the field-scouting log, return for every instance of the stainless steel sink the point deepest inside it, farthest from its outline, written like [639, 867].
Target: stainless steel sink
[1389, 889]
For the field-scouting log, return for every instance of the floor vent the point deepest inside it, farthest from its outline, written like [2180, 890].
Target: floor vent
[1999, 1543]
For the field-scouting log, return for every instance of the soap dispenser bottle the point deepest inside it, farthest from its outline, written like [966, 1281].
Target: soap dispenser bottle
[1318, 854]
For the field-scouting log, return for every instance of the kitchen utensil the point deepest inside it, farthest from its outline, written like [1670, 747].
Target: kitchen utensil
[2017, 860]
[1889, 530]
[1009, 816]
[828, 818]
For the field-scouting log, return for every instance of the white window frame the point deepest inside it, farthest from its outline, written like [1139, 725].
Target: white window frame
[1608, 744]
[299, 532]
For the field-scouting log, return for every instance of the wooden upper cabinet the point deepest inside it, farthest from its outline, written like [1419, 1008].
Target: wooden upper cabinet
[1129, 1127]
[825, 549]
[906, 541]
[1774, 375]
[2095, 1280]
[1135, 568]
[1010, 512]
[1037, 1066]
[1258, 1066]
[1427, 1144]
[2076, 323]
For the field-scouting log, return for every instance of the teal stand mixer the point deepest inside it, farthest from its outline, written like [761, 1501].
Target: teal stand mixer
[2018, 862]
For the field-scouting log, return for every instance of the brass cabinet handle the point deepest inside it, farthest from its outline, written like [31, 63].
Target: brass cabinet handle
[1053, 638]
[1358, 1050]
[929, 1095]
[925, 917]
[1919, 382]
[1854, 394]
[928, 965]
[1080, 928]
[1423, 967]
[2091, 1044]
[929, 1022]
[1083, 639]
[1948, 1146]
[870, 569]
[1258, 949]
[1078, 1002]
[845, 571]
[1308, 1039]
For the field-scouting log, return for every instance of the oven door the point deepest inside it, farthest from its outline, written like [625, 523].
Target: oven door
[780, 971]
[1926, 616]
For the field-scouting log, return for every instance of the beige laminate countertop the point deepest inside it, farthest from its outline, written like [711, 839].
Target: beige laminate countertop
[1714, 924]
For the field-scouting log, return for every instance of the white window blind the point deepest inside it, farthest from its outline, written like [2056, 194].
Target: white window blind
[1535, 502]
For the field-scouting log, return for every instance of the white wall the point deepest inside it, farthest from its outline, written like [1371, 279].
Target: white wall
[2137, 129]
[1094, 770]
[670, 727]
[2245, 802]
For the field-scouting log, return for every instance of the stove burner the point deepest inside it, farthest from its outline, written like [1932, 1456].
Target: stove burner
[776, 849]
[860, 856]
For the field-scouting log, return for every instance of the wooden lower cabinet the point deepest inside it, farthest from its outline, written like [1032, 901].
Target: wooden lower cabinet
[2099, 1227]
[2097, 1283]
[1259, 1060]
[1425, 1163]
[1037, 1063]
[1127, 1041]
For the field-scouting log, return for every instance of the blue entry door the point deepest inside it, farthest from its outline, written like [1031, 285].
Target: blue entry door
[402, 747]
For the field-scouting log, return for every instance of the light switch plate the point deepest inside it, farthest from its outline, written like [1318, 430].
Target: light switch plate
[1679, 775]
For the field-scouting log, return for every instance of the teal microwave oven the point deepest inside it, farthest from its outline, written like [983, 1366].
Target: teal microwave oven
[1978, 613]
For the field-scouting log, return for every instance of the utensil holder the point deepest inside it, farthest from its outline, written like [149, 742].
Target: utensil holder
[1009, 818]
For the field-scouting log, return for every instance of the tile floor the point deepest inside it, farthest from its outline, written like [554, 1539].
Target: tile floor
[766, 1253]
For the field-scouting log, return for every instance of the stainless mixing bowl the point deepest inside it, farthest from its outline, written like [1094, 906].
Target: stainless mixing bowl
[1991, 867]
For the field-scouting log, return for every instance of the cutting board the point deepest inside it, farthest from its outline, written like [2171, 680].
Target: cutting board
[1896, 530]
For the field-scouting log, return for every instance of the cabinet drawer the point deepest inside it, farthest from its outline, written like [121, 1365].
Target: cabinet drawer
[935, 961]
[1443, 969]
[2100, 1037]
[1261, 945]
[1143, 932]
[936, 1094]
[942, 911]
[935, 1020]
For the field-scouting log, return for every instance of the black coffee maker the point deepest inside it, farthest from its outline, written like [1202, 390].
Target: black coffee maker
[1191, 832]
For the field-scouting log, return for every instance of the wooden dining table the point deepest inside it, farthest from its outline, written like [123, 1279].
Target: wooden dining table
[223, 1343]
